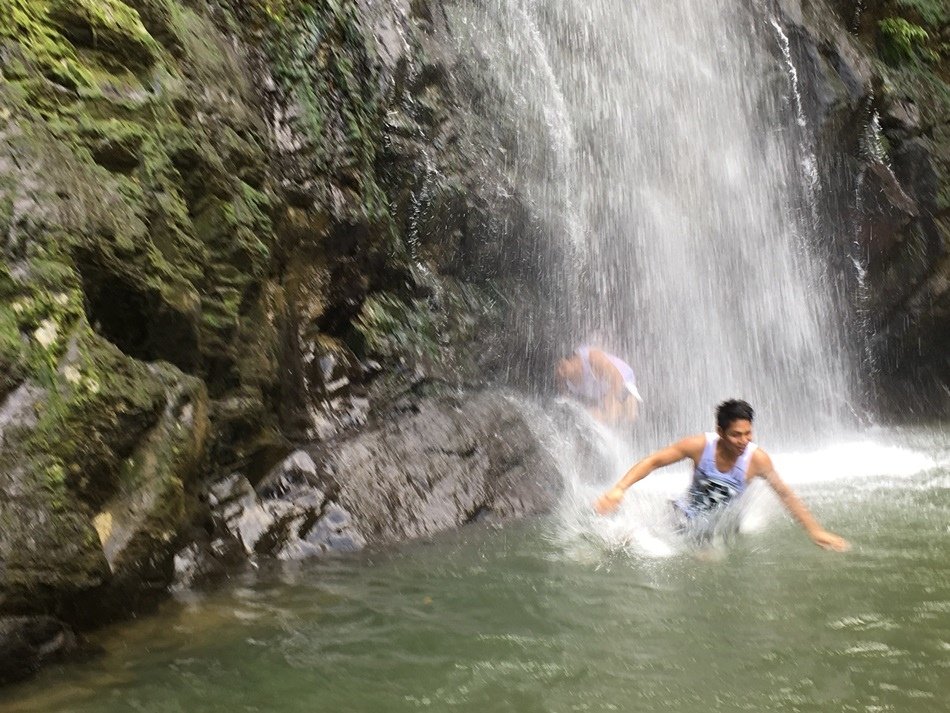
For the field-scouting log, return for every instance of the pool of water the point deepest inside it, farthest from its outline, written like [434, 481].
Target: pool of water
[575, 613]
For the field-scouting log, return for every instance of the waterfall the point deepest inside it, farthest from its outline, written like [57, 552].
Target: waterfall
[658, 143]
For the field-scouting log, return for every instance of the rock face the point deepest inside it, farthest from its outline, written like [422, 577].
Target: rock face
[874, 77]
[440, 463]
[225, 227]
[447, 462]
[27, 643]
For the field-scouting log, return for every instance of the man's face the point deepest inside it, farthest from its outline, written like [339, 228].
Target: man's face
[736, 436]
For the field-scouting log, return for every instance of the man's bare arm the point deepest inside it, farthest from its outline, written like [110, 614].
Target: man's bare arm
[762, 466]
[691, 447]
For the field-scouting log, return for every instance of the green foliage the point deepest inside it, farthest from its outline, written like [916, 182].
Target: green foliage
[904, 41]
[933, 13]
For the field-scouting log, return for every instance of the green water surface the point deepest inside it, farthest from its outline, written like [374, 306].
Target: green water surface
[514, 619]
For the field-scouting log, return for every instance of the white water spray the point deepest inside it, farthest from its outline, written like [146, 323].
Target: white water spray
[653, 145]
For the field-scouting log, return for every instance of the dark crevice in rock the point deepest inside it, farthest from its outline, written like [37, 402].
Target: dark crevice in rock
[135, 318]
[462, 453]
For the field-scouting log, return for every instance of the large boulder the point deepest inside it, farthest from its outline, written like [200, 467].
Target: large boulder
[435, 463]
[97, 487]
[449, 461]
[27, 643]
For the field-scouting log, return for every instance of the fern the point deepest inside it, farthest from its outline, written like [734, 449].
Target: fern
[903, 40]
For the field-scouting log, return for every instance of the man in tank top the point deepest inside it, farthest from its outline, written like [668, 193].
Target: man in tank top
[724, 463]
[603, 382]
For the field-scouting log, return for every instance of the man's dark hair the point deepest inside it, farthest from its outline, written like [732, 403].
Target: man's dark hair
[733, 410]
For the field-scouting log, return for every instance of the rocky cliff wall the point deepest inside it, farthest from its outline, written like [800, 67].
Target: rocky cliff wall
[875, 79]
[225, 227]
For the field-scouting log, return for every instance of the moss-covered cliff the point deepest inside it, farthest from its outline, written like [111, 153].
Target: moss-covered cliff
[214, 217]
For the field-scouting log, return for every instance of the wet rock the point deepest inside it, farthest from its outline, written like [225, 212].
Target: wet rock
[110, 25]
[235, 503]
[432, 463]
[206, 560]
[449, 461]
[288, 516]
[884, 155]
[87, 539]
[140, 526]
[29, 642]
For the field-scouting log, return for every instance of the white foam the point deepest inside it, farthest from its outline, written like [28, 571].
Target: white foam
[852, 460]
[642, 524]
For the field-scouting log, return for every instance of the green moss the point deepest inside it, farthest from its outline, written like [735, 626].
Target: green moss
[250, 213]
[321, 59]
[35, 319]
[11, 352]
[28, 24]
[79, 44]
[202, 56]
[98, 404]
[108, 25]
[392, 328]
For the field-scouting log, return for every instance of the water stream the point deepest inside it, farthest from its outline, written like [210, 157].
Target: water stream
[665, 149]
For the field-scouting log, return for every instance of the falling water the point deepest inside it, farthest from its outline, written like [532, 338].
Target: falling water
[658, 145]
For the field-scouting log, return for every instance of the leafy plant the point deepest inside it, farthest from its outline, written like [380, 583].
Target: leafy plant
[933, 13]
[903, 40]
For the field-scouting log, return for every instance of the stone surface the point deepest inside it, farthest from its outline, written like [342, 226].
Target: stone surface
[882, 123]
[27, 643]
[447, 462]
[444, 462]
[289, 515]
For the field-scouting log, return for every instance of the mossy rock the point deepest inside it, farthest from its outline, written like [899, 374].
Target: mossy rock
[153, 221]
[106, 25]
[98, 479]
[140, 526]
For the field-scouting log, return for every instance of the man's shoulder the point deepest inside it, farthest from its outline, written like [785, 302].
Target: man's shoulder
[693, 445]
[760, 462]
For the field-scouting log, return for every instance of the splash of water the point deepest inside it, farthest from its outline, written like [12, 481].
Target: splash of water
[645, 527]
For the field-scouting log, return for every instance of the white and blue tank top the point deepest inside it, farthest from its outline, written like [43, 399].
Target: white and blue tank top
[593, 389]
[710, 488]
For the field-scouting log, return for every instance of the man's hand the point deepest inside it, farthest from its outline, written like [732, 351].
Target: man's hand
[830, 541]
[609, 501]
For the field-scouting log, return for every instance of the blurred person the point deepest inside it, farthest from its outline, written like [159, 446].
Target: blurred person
[604, 383]
[724, 463]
